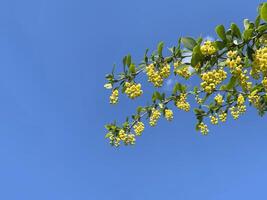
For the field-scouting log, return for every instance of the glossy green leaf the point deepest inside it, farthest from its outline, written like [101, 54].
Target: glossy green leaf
[132, 68]
[231, 83]
[220, 30]
[197, 56]
[235, 30]
[160, 48]
[263, 11]
[247, 34]
[129, 60]
[188, 42]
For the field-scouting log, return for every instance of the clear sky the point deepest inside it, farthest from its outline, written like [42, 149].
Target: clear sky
[53, 57]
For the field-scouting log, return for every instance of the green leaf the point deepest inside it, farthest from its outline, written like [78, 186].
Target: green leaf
[246, 24]
[220, 30]
[156, 95]
[124, 61]
[231, 83]
[220, 45]
[108, 86]
[199, 40]
[197, 126]
[235, 30]
[132, 68]
[188, 42]
[177, 87]
[139, 109]
[257, 21]
[129, 60]
[195, 89]
[160, 48]
[247, 34]
[196, 56]
[145, 56]
[113, 69]
[199, 111]
[250, 52]
[108, 135]
[262, 28]
[168, 59]
[263, 11]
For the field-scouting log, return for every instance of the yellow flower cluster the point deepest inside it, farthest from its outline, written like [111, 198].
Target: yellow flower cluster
[156, 76]
[211, 79]
[203, 128]
[208, 48]
[181, 103]
[165, 71]
[214, 120]
[133, 90]
[260, 60]
[234, 61]
[219, 99]
[155, 115]
[240, 100]
[168, 114]
[240, 108]
[223, 116]
[183, 72]
[243, 79]
[114, 140]
[121, 137]
[264, 83]
[113, 99]
[139, 128]
[130, 139]
[177, 64]
[254, 98]
[234, 112]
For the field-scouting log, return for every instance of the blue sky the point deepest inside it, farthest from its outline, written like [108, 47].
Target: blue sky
[54, 55]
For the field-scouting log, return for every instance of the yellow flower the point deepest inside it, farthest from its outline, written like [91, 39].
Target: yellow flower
[133, 90]
[130, 139]
[168, 114]
[214, 120]
[234, 112]
[155, 115]
[181, 103]
[165, 71]
[139, 128]
[208, 48]
[223, 116]
[211, 79]
[260, 60]
[184, 72]
[264, 83]
[113, 99]
[240, 100]
[203, 128]
[154, 76]
[219, 99]
[122, 135]
[254, 98]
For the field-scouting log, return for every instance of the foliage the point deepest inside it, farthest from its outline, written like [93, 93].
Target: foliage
[232, 72]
